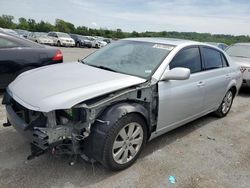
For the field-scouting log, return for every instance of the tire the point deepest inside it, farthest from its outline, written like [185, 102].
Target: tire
[129, 133]
[58, 43]
[226, 104]
[78, 45]
[96, 46]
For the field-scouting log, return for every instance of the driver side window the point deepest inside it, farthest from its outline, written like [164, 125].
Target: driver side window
[188, 58]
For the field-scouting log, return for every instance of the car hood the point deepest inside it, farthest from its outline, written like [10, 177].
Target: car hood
[242, 61]
[62, 86]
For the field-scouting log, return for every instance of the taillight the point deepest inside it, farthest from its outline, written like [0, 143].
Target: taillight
[58, 56]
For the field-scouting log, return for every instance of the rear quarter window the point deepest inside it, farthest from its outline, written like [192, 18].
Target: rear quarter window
[213, 59]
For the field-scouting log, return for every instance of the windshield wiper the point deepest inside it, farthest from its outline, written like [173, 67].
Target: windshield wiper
[104, 68]
[98, 66]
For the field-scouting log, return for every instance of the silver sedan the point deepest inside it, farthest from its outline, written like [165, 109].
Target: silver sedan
[107, 106]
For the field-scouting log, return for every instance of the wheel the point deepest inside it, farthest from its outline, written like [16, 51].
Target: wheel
[78, 44]
[96, 46]
[226, 104]
[123, 141]
[58, 43]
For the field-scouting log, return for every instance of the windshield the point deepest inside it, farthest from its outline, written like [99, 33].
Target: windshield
[239, 51]
[40, 34]
[130, 57]
[63, 35]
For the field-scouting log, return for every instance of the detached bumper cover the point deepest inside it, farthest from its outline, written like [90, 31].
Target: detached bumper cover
[35, 136]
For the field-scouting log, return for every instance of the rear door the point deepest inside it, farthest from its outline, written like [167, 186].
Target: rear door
[181, 100]
[217, 79]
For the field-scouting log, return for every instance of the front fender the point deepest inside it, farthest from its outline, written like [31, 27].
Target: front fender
[115, 112]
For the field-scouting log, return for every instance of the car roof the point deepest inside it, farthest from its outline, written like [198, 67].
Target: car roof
[169, 41]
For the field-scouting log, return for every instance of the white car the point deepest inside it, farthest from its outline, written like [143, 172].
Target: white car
[240, 53]
[41, 38]
[62, 39]
[98, 42]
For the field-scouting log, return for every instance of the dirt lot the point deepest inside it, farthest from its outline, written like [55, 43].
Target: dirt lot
[208, 152]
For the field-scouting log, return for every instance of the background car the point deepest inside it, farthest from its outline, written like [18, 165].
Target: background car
[81, 41]
[61, 39]
[240, 53]
[22, 33]
[98, 42]
[133, 91]
[18, 55]
[219, 45]
[9, 31]
[41, 38]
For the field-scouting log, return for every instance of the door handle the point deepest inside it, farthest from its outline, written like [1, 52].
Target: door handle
[201, 84]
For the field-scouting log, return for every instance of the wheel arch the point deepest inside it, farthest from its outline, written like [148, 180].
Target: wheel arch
[114, 112]
[95, 142]
[233, 85]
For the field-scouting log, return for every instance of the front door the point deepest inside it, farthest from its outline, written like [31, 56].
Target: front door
[181, 100]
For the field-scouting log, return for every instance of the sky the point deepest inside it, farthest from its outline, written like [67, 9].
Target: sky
[204, 16]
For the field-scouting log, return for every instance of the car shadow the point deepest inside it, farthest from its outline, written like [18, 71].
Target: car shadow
[244, 92]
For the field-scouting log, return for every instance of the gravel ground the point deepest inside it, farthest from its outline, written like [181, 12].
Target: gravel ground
[208, 152]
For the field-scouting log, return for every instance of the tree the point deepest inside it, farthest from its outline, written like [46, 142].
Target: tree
[6, 21]
[63, 26]
[23, 24]
[32, 25]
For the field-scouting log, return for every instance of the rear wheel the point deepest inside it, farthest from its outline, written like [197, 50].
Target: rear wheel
[58, 43]
[226, 104]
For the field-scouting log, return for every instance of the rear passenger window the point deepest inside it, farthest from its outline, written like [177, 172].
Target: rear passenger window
[188, 58]
[212, 58]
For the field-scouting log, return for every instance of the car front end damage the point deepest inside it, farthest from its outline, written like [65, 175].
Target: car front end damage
[65, 131]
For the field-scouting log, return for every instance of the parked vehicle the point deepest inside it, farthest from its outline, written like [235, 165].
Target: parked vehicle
[107, 40]
[98, 42]
[110, 104]
[22, 33]
[41, 38]
[219, 45]
[240, 53]
[61, 39]
[18, 55]
[9, 31]
[81, 41]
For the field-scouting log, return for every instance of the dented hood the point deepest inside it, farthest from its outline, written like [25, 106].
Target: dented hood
[62, 86]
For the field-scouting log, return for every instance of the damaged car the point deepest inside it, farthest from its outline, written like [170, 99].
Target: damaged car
[106, 107]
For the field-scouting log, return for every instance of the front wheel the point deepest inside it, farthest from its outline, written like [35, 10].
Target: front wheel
[124, 142]
[226, 104]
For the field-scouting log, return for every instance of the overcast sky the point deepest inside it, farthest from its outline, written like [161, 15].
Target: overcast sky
[212, 16]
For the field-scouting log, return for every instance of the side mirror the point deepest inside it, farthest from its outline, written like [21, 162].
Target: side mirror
[176, 74]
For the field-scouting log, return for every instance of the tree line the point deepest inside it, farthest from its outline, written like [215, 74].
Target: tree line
[7, 21]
